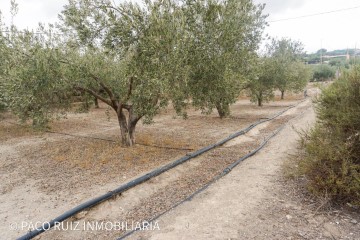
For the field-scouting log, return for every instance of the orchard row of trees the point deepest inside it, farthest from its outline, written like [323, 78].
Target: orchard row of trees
[138, 58]
[280, 68]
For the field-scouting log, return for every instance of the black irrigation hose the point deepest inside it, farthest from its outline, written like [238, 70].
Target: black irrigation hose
[141, 179]
[222, 174]
[105, 139]
[110, 140]
[66, 134]
[165, 147]
[72, 135]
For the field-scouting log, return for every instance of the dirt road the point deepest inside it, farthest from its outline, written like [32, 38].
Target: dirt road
[252, 203]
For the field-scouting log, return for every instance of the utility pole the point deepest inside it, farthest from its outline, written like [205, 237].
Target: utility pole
[321, 53]
[355, 55]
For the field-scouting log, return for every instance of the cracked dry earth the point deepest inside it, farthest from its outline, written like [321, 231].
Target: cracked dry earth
[43, 175]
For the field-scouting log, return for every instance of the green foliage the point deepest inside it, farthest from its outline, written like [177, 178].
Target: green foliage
[339, 63]
[3, 62]
[141, 54]
[136, 58]
[313, 59]
[291, 73]
[224, 37]
[263, 84]
[323, 72]
[332, 148]
[298, 75]
[335, 62]
[32, 89]
[281, 69]
[321, 51]
[131, 57]
[2, 96]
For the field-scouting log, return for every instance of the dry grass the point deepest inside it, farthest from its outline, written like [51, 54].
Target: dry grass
[297, 185]
[290, 97]
[9, 131]
[165, 141]
[96, 155]
[290, 167]
[75, 163]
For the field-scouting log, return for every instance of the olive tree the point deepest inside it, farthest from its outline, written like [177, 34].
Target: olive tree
[279, 67]
[131, 57]
[298, 76]
[32, 85]
[262, 84]
[224, 37]
[286, 55]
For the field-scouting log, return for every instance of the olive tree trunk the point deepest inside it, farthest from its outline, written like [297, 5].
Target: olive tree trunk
[127, 126]
[223, 110]
[282, 94]
[96, 102]
[260, 99]
[126, 115]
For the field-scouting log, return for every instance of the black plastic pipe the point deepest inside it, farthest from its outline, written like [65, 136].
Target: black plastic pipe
[222, 174]
[141, 179]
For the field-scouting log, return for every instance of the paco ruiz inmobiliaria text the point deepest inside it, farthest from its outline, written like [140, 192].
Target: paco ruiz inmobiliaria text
[89, 226]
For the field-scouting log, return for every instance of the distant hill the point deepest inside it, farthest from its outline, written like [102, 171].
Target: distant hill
[343, 52]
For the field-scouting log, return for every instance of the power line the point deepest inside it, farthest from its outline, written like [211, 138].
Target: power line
[315, 14]
[31, 32]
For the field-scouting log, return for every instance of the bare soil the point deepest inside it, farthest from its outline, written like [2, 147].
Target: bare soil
[45, 174]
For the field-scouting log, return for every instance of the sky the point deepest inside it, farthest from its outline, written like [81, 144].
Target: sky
[330, 31]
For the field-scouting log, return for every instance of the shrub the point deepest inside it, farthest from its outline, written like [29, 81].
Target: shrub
[331, 163]
[323, 72]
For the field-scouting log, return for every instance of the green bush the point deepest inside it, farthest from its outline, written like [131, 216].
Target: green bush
[331, 163]
[323, 72]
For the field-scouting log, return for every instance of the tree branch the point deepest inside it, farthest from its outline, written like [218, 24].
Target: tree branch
[126, 106]
[113, 102]
[95, 94]
[133, 117]
[131, 80]
[107, 90]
